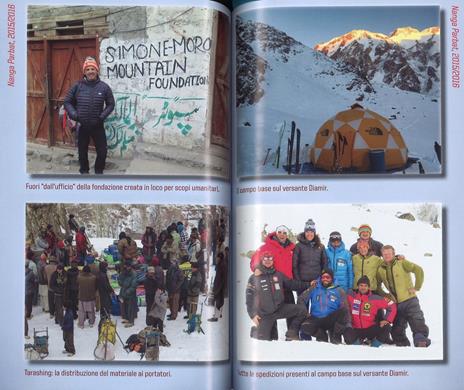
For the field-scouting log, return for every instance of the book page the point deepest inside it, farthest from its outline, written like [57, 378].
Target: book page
[117, 195]
[346, 172]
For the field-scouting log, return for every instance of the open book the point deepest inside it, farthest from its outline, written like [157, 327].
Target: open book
[246, 199]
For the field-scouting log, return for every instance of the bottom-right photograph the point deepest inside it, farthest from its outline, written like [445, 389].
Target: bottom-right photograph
[340, 282]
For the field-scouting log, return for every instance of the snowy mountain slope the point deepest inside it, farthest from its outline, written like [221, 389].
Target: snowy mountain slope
[407, 59]
[196, 347]
[418, 241]
[309, 88]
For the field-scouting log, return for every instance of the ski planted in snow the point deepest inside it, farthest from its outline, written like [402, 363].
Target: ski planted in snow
[297, 162]
[290, 148]
[276, 162]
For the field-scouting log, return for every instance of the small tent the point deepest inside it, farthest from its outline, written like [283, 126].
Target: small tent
[355, 140]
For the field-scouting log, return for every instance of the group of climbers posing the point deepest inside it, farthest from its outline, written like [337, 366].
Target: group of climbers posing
[365, 295]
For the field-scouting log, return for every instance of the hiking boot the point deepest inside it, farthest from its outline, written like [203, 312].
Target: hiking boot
[129, 325]
[321, 335]
[171, 319]
[375, 343]
[254, 332]
[291, 335]
[403, 343]
[70, 354]
[421, 341]
[124, 321]
[186, 317]
[213, 319]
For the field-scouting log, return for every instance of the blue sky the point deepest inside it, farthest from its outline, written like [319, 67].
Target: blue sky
[314, 25]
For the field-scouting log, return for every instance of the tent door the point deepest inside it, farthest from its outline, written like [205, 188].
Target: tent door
[344, 141]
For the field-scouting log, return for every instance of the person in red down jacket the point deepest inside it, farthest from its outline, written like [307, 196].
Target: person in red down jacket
[369, 323]
[281, 248]
[81, 245]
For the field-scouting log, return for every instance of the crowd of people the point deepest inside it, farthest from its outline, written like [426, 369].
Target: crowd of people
[364, 295]
[71, 282]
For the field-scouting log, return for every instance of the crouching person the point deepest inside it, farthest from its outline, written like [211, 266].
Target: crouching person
[265, 299]
[328, 310]
[365, 309]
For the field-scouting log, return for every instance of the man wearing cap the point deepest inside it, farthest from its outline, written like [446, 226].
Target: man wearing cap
[365, 308]
[309, 257]
[265, 299]
[365, 235]
[89, 102]
[395, 274]
[339, 261]
[327, 307]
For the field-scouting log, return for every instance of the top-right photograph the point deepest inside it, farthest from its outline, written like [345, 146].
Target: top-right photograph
[338, 90]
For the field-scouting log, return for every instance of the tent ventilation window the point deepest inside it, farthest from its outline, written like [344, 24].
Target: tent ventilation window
[374, 131]
[325, 133]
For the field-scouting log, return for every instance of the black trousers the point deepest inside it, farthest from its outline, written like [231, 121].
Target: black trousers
[373, 332]
[296, 313]
[51, 302]
[29, 299]
[68, 338]
[317, 327]
[98, 135]
[409, 312]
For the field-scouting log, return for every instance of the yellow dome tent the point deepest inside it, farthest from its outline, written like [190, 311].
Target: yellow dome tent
[350, 139]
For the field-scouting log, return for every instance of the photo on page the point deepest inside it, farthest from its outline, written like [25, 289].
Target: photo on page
[340, 282]
[127, 90]
[126, 282]
[338, 90]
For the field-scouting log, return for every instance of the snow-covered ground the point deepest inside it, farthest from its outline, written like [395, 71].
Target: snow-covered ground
[417, 240]
[309, 89]
[194, 347]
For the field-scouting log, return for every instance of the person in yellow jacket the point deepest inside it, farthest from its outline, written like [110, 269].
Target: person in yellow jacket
[366, 263]
[395, 274]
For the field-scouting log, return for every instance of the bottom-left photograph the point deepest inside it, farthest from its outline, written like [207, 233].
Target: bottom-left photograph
[126, 282]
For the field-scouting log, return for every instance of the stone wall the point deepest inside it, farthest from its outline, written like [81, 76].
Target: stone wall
[158, 63]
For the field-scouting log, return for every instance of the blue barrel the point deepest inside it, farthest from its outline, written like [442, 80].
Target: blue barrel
[377, 161]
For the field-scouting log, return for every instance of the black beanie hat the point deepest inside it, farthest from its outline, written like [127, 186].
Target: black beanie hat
[327, 271]
[364, 279]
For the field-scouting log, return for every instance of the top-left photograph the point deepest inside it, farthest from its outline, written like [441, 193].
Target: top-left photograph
[128, 91]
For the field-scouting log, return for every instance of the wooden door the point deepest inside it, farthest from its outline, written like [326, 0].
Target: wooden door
[66, 59]
[53, 66]
[221, 109]
[37, 115]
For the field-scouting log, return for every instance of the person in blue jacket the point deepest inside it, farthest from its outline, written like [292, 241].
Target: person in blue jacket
[327, 307]
[339, 261]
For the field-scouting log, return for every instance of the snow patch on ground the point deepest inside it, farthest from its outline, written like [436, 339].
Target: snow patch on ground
[194, 347]
[418, 241]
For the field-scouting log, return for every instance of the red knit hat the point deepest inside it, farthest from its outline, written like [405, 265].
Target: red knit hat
[90, 61]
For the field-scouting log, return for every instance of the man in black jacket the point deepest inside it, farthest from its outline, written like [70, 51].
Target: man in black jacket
[193, 290]
[265, 299]
[89, 102]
